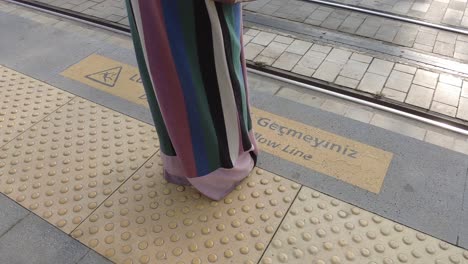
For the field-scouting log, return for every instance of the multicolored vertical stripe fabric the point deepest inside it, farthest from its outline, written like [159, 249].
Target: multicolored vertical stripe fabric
[191, 61]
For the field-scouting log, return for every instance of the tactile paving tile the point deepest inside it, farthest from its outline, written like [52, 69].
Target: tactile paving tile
[319, 229]
[25, 101]
[151, 221]
[65, 166]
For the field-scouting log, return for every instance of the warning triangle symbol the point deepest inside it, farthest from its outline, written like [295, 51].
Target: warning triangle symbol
[107, 77]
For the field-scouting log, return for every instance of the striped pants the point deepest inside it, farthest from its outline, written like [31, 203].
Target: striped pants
[191, 60]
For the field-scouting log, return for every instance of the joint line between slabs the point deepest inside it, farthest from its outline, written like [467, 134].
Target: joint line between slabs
[103, 201]
[282, 220]
[42, 119]
[17, 222]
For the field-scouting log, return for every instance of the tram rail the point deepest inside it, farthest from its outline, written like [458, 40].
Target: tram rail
[389, 15]
[400, 109]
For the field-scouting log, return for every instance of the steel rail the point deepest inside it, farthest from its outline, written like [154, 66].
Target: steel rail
[389, 15]
[422, 119]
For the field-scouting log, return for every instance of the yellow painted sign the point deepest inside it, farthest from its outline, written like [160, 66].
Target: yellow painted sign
[353, 162]
[110, 76]
[345, 159]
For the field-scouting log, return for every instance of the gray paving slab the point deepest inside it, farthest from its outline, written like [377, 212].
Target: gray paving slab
[93, 258]
[10, 214]
[34, 241]
[414, 193]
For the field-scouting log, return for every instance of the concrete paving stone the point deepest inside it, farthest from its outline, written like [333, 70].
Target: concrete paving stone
[401, 7]
[457, 5]
[264, 60]
[246, 39]
[460, 56]
[381, 67]
[420, 6]
[264, 38]
[311, 100]
[347, 82]
[320, 48]
[328, 71]
[423, 47]
[39, 242]
[405, 68]
[372, 83]
[464, 92]
[420, 96]
[416, 14]
[290, 94]
[351, 24]
[114, 18]
[287, 61]
[274, 50]
[405, 37]
[312, 59]
[374, 21]
[439, 139]
[450, 79]
[319, 15]
[83, 6]
[461, 146]
[284, 40]
[426, 38]
[313, 22]
[93, 258]
[252, 50]
[300, 15]
[399, 81]
[398, 126]
[252, 32]
[367, 31]
[340, 13]
[264, 85]
[462, 111]
[354, 69]
[443, 109]
[447, 37]
[443, 48]
[331, 23]
[10, 214]
[453, 17]
[299, 47]
[339, 56]
[335, 107]
[360, 114]
[386, 33]
[464, 22]
[361, 57]
[394, 94]
[299, 69]
[461, 47]
[447, 94]
[426, 78]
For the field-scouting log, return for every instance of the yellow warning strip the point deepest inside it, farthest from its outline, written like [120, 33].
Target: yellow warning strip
[25, 101]
[353, 162]
[94, 173]
[319, 229]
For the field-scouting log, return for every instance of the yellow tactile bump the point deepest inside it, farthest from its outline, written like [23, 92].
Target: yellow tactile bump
[319, 229]
[151, 221]
[67, 164]
[25, 101]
